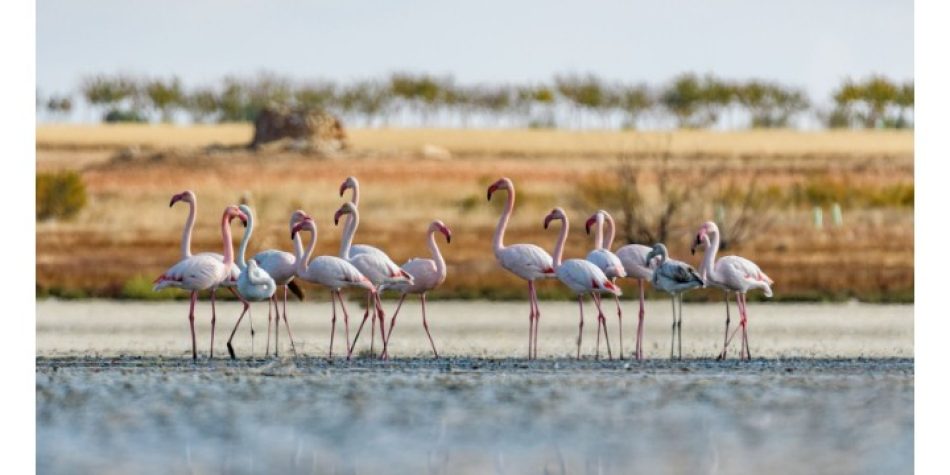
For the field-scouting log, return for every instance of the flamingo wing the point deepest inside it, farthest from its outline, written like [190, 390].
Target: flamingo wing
[675, 276]
[278, 264]
[634, 260]
[380, 269]
[742, 274]
[229, 280]
[197, 272]
[358, 249]
[582, 277]
[336, 273]
[608, 262]
[527, 261]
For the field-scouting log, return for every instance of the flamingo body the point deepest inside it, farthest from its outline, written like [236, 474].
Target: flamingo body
[198, 272]
[527, 261]
[633, 257]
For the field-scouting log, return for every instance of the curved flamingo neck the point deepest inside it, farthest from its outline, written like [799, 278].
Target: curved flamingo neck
[304, 258]
[611, 232]
[436, 254]
[189, 228]
[707, 267]
[226, 237]
[355, 199]
[349, 230]
[242, 250]
[561, 239]
[498, 241]
[599, 234]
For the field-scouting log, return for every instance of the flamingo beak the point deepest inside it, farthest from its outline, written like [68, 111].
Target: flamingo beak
[297, 227]
[243, 217]
[590, 222]
[175, 199]
[547, 220]
[336, 217]
[343, 188]
[492, 189]
[447, 232]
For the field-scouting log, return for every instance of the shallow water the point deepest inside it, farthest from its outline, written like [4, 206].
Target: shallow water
[808, 404]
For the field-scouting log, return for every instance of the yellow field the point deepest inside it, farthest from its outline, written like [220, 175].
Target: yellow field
[127, 234]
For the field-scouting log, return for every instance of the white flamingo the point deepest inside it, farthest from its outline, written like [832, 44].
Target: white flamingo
[635, 263]
[254, 284]
[376, 266]
[582, 277]
[674, 277]
[527, 261]
[607, 261]
[282, 267]
[732, 274]
[331, 272]
[427, 274]
[202, 272]
[351, 183]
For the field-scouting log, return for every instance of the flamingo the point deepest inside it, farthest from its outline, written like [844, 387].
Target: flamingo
[527, 261]
[582, 277]
[427, 274]
[329, 271]
[203, 272]
[229, 280]
[281, 266]
[607, 261]
[376, 266]
[635, 263]
[732, 274]
[253, 284]
[674, 277]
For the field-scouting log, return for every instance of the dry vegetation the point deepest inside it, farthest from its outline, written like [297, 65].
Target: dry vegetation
[127, 234]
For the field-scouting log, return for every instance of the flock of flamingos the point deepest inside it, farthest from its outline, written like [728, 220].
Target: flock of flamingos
[368, 268]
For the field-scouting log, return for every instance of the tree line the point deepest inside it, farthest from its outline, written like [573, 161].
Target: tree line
[688, 100]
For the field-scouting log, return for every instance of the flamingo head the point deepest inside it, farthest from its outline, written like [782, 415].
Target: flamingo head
[232, 212]
[659, 250]
[442, 228]
[187, 196]
[347, 208]
[556, 213]
[306, 222]
[349, 183]
[702, 236]
[298, 216]
[593, 219]
[247, 212]
[503, 183]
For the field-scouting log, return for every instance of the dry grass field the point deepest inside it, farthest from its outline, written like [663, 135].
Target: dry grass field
[126, 235]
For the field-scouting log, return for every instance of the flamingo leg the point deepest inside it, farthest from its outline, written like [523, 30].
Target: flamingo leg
[247, 306]
[380, 315]
[425, 325]
[287, 324]
[530, 319]
[392, 324]
[640, 322]
[725, 335]
[745, 325]
[269, 315]
[619, 323]
[673, 329]
[679, 328]
[359, 330]
[603, 324]
[596, 299]
[213, 318]
[332, 327]
[346, 318]
[537, 319]
[580, 326]
[372, 330]
[191, 322]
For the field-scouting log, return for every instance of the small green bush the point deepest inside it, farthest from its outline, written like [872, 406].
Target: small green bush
[59, 195]
[140, 288]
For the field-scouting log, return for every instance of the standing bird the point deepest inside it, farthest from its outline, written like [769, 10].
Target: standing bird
[331, 272]
[730, 273]
[351, 183]
[254, 284]
[674, 277]
[582, 277]
[281, 266]
[230, 280]
[376, 266]
[427, 274]
[202, 272]
[527, 261]
[607, 261]
[635, 263]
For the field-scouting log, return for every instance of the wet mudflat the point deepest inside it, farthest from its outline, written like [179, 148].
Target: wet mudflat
[830, 391]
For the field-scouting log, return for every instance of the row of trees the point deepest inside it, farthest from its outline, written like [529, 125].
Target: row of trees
[571, 100]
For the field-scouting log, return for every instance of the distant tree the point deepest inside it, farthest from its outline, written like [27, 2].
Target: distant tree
[317, 96]
[165, 97]
[904, 101]
[770, 104]
[585, 93]
[118, 95]
[683, 98]
[59, 106]
[634, 101]
[202, 104]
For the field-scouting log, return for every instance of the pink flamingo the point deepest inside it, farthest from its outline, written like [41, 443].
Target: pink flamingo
[230, 280]
[607, 261]
[376, 266]
[582, 277]
[203, 272]
[527, 261]
[427, 274]
[282, 267]
[635, 263]
[732, 274]
[329, 271]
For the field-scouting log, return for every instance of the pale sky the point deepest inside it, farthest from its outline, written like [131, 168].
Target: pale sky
[807, 43]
